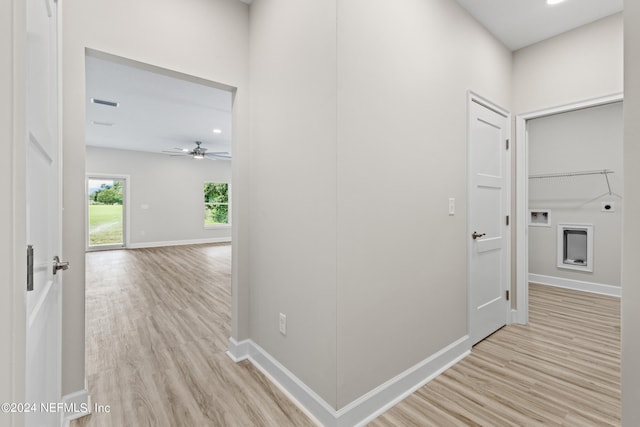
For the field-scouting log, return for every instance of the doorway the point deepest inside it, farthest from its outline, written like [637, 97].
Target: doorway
[158, 137]
[582, 188]
[107, 208]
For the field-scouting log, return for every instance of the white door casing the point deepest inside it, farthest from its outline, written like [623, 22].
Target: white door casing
[522, 191]
[488, 250]
[43, 215]
[126, 216]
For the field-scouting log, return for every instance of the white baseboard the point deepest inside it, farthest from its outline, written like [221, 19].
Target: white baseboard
[77, 404]
[179, 242]
[365, 408]
[238, 351]
[578, 285]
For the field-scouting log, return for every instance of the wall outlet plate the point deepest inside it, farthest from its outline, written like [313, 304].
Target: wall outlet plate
[283, 324]
[608, 207]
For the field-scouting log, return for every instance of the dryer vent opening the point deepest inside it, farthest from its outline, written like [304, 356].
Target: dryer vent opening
[575, 246]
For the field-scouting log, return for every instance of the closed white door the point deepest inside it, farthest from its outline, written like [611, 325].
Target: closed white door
[43, 207]
[488, 243]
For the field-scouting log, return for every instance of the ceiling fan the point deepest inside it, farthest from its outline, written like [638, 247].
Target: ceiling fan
[200, 153]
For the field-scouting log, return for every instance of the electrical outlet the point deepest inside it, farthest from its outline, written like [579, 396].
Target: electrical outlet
[283, 324]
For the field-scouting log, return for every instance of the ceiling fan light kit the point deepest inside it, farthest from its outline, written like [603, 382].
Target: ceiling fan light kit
[199, 152]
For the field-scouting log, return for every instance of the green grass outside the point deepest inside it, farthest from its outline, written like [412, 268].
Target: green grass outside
[105, 224]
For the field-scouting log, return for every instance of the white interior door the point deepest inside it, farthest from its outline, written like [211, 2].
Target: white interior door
[43, 214]
[488, 209]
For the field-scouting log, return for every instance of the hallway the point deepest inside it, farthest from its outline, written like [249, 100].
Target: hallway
[157, 330]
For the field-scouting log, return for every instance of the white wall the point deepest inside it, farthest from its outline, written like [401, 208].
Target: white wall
[582, 140]
[404, 69]
[207, 39]
[293, 186]
[580, 64]
[166, 194]
[631, 226]
[365, 142]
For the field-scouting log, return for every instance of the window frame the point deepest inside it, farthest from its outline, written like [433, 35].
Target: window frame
[228, 203]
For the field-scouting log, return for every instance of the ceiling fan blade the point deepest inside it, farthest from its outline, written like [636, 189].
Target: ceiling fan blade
[219, 156]
[174, 154]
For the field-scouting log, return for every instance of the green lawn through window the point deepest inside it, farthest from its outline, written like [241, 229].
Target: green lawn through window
[105, 224]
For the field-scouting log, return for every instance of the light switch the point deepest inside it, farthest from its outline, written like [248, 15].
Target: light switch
[452, 206]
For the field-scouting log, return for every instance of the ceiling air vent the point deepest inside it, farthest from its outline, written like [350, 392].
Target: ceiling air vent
[104, 102]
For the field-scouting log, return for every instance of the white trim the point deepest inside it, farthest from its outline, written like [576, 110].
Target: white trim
[522, 223]
[367, 407]
[478, 99]
[229, 206]
[179, 242]
[363, 410]
[77, 404]
[126, 206]
[218, 227]
[522, 193]
[238, 351]
[514, 315]
[577, 285]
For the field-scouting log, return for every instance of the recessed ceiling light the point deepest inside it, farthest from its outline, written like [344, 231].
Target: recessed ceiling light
[105, 102]
[554, 2]
[217, 131]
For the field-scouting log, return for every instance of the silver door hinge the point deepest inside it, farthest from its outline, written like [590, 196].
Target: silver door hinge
[29, 267]
[508, 295]
[507, 144]
[507, 219]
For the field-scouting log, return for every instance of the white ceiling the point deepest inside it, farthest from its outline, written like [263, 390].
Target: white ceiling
[520, 23]
[156, 111]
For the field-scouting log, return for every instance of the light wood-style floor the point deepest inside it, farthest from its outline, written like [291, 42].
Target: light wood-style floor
[157, 330]
[563, 369]
[158, 324]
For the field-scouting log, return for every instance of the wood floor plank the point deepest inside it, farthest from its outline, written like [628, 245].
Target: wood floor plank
[562, 369]
[157, 332]
[158, 324]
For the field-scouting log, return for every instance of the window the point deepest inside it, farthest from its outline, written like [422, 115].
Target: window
[216, 204]
[106, 211]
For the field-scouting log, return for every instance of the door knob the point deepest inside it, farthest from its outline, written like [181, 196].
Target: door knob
[475, 235]
[59, 265]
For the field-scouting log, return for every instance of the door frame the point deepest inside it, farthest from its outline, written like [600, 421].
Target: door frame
[13, 230]
[522, 193]
[473, 97]
[126, 213]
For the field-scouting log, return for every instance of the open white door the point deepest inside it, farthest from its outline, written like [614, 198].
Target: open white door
[488, 223]
[43, 216]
